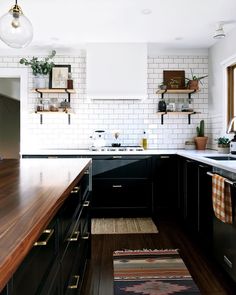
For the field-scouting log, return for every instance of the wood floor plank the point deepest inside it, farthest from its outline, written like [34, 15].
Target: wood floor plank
[209, 277]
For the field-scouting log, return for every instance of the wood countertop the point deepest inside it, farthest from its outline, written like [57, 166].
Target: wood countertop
[31, 193]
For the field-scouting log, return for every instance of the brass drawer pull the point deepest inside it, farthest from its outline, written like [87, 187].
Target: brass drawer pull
[86, 237]
[74, 237]
[86, 172]
[75, 190]
[164, 157]
[76, 283]
[117, 157]
[86, 204]
[117, 185]
[49, 233]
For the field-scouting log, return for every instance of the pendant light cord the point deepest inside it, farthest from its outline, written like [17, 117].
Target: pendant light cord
[16, 2]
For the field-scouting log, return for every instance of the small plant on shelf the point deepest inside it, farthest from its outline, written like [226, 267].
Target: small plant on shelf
[40, 66]
[193, 82]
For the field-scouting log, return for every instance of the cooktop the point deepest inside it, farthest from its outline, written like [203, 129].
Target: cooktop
[121, 148]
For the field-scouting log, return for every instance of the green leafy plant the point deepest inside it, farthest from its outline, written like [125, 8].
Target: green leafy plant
[40, 66]
[195, 78]
[223, 141]
[200, 129]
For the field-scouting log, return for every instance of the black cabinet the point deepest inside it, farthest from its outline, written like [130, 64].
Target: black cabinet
[122, 185]
[224, 240]
[165, 183]
[56, 263]
[195, 199]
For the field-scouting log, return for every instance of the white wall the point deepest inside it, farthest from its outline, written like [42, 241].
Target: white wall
[220, 55]
[10, 87]
[130, 117]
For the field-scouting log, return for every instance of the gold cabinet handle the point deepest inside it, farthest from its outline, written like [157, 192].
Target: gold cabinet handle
[86, 237]
[86, 203]
[117, 185]
[75, 190]
[76, 282]
[74, 237]
[48, 233]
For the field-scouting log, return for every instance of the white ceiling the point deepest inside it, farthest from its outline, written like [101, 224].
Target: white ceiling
[171, 23]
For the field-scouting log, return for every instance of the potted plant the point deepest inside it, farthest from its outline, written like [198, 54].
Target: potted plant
[40, 67]
[201, 139]
[193, 83]
[223, 145]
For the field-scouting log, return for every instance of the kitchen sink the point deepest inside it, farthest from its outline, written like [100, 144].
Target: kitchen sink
[222, 158]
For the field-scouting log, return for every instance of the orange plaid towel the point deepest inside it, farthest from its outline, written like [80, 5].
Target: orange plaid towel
[221, 198]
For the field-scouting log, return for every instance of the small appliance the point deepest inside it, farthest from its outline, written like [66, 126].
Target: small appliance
[98, 140]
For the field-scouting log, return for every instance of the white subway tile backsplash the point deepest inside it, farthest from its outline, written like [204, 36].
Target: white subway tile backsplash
[130, 117]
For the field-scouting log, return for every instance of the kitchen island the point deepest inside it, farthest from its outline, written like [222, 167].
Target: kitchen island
[32, 191]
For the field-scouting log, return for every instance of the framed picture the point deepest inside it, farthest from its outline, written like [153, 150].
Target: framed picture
[58, 76]
[174, 79]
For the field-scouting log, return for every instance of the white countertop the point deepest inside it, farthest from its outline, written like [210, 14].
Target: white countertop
[191, 154]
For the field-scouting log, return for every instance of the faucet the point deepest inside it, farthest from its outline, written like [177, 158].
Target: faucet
[229, 129]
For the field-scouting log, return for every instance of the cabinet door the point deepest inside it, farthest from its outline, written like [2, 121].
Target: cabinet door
[191, 195]
[122, 195]
[165, 181]
[121, 166]
[205, 213]
[34, 271]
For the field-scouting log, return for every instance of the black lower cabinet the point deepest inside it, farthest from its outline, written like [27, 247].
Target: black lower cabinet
[122, 185]
[196, 209]
[57, 261]
[35, 270]
[165, 184]
[224, 240]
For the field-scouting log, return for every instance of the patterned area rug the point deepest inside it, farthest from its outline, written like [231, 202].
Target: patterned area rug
[123, 226]
[151, 272]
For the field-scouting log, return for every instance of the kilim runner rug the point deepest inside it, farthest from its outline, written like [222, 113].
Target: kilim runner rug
[123, 226]
[151, 272]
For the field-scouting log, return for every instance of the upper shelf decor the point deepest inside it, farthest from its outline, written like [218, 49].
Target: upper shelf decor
[174, 79]
[40, 67]
[59, 76]
[193, 82]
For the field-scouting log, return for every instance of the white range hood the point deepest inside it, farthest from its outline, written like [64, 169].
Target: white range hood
[116, 70]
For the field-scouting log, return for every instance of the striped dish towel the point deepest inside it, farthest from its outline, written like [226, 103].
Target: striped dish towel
[221, 198]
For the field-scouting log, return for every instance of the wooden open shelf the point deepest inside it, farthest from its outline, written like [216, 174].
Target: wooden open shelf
[176, 91]
[49, 90]
[189, 114]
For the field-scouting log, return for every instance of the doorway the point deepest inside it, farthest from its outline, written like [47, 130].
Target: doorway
[9, 118]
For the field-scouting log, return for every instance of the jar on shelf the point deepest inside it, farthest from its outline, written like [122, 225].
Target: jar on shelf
[46, 105]
[54, 105]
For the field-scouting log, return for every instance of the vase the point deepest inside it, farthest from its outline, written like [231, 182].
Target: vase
[223, 149]
[201, 142]
[40, 81]
[193, 84]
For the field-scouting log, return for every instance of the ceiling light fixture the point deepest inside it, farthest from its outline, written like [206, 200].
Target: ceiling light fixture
[219, 32]
[15, 28]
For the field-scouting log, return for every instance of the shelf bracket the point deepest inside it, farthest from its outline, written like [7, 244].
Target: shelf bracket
[189, 117]
[162, 118]
[66, 90]
[162, 95]
[189, 95]
[41, 94]
[69, 119]
[41, 119]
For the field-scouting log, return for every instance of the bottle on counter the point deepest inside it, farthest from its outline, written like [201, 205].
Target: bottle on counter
[144, 141]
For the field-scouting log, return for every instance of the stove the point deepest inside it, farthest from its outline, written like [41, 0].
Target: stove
[121, 149]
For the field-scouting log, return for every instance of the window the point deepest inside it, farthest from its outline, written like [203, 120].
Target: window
[231, 73]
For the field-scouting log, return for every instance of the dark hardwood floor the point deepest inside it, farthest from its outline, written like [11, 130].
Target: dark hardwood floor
[209, 277]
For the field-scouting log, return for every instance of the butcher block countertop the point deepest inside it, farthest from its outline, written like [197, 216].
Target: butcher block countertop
[31, 193]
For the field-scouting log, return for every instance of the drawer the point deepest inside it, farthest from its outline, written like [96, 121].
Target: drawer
[72, 265]
[121, 193]
[122, 167]
[34, 270]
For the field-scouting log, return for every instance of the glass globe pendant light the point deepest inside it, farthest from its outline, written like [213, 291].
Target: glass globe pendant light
[15, 28]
